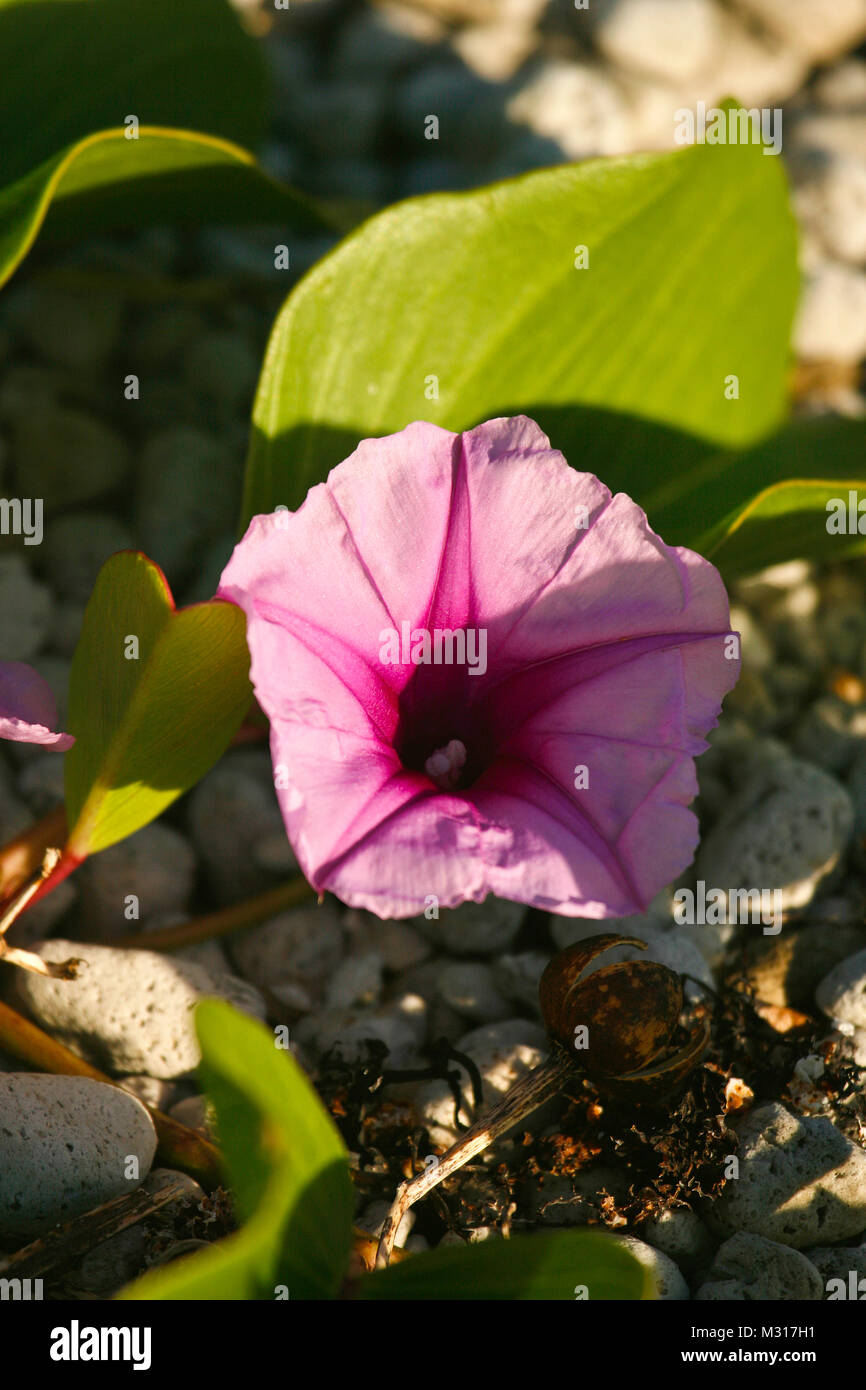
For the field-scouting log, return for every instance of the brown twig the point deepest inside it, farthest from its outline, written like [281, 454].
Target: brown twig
[28, 960]
[525, 1095]
[65, 1245]
[246, 914]
[179, 1147]
[22, 856]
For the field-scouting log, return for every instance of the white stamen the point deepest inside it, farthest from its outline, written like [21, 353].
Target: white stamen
[445, 765]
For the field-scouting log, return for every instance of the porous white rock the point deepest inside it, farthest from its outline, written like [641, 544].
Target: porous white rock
[750, 1268]
[842, 993]
[786, 829]
[800, 1181]
[129, 1011]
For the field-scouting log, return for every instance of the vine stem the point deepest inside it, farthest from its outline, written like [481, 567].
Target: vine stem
[521, 1100]
[245, 914]
[23, 855]
[28, 960]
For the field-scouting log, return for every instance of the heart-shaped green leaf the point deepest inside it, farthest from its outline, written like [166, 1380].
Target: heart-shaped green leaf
[557, 1265]
[456, 308]
[155, 697]
[757, 507]
[288, 1169]
[165, 175]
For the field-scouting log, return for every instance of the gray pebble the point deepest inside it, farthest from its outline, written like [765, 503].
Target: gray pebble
[342, 119]
[356, 980]
[113, 1263]
[756, 647]
[222, 366]
[210, 954]
[399, 944]
[566, 931]
[461, 103]
[474, 929]
[384, 41]
[680, 1233]
[400, 1025]
[196, 1113]
[161, 1095]
[163, 334]
[749, 1268]
[669, 40]
[78, 331]
[67, 456]
[668, 1282]
[820, 34]
[186, 496]
[128, 1012]
[800, 1180]
[151, 872]
[831, 733]
[469, 989]
[831, 320]
[576, 106]
[66, 622]
[14, 813]
[77, 546]
[840, 1263]
[231, 811]
[65, 1146]
[786, 830]
[518, 976]
[25, 610]
[842, 993]
[27, 387]
[302, 946]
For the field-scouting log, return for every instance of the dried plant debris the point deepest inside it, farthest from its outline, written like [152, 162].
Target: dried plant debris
[606, 1160]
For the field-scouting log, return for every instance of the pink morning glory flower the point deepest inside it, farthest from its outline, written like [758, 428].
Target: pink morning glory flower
[27, 709]
[484, 674]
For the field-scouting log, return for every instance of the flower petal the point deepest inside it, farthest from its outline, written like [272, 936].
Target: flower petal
[606, 648]
[27, 708]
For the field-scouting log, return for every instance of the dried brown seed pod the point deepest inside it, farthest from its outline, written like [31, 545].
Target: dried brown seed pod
[630, 1012]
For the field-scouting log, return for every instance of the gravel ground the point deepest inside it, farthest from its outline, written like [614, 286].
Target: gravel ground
[516, 84]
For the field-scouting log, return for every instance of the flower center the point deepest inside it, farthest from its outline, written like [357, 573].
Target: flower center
[445, 766]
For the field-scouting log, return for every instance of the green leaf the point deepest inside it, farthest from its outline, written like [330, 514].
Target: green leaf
[73, 70]
[165, 176]
[288, 1169]
[72, 67]
[548, 1266]
[758, 507]
[147, 726]
[692, 278]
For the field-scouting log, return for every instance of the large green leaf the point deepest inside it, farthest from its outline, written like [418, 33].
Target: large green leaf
[757, 507]
[692, 279]
[288, 1169]
[71, 67]
[166, 175]
[147, 726]
[560, 1265]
